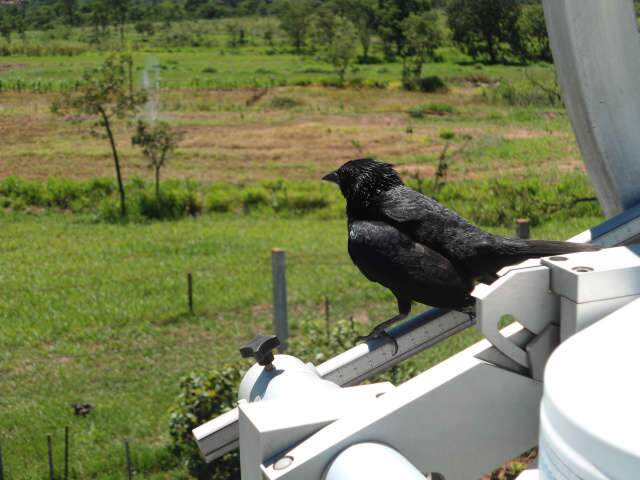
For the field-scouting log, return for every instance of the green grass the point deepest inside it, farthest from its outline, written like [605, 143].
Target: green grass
[92, 312]
[97, 313]
[202, 59]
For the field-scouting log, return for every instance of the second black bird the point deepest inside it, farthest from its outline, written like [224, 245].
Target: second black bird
[419, 249]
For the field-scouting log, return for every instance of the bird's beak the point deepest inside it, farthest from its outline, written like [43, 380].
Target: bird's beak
[331, 177]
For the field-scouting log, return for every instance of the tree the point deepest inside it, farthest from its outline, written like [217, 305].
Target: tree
[322, 26]
[11, 20]
[342, 49]
[532, 30]
[100, 16]
[391, 15]
[119, 10]
[364, 16]
[157, 141]
[105, 95]
[481, 27]
[68, 10]
[422, 36]
[237, 34]
[295, 16]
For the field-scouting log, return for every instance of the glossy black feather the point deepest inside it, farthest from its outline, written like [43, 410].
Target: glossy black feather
[418, 248]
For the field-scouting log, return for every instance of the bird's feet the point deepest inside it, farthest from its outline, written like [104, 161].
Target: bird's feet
[380, 333]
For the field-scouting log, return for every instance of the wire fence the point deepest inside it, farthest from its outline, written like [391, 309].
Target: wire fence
[244, 321]
[160, 282]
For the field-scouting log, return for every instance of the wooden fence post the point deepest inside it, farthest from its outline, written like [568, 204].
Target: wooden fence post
[522, 228]
[279, 282]
[66, 453]
[1, 465]
[127, 457]
[50, 456]
[190, 292]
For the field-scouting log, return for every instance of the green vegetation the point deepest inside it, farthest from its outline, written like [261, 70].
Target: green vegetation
[266, 100]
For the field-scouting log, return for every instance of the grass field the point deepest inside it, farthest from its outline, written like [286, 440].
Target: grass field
[97, 313]
[93, 312]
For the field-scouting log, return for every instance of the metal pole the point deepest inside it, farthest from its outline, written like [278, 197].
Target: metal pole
[279, 281]
[50, 452]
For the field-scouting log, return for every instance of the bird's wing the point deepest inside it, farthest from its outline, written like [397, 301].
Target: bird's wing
[412, 271]
[428, 222]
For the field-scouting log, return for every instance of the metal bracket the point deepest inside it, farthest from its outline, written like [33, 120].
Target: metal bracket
[523, 293]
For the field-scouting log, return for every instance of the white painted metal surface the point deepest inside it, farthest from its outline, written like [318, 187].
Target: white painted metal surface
[268, 427]
[262, 384]
[589, 414]
[523, 293]
[371, 461]
[593, 284]
[221, 435]
[596, 51]
[592, 276]
[461, 418]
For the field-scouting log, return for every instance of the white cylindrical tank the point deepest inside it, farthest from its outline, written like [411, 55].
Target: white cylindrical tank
[590, 411]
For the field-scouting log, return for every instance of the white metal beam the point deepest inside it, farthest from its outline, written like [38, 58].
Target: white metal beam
[460, 418]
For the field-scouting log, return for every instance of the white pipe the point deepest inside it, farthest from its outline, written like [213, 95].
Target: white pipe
[373, 461]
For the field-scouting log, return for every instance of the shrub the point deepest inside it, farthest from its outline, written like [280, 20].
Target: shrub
[440, 109]
[285, 103]
[381, 84]
[255, 197]
[203, 397]
[222, 199]
[426, 84]
[525, 94]
[144, 27]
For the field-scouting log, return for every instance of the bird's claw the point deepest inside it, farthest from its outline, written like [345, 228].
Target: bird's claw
[380, 334]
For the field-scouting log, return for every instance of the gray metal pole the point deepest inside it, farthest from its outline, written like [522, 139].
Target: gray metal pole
[279, 280]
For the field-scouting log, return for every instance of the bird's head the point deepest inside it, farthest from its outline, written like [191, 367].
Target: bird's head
[363, 179]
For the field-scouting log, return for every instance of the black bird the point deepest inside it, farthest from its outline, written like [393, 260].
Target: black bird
[82, 409]
[419, 249]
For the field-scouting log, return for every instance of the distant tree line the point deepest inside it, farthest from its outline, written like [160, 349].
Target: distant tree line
[409, 30]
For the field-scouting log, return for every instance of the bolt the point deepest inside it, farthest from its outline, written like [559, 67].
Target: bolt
[582, 269]
[557, 259]
[283, 463]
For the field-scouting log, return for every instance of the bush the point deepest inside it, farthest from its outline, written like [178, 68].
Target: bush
[500, 202]
[381, 84]
[222, 199]
[144, 27]
[440, 109]
[431, 84]
[285, 103]
[203, 397]
[525, 94]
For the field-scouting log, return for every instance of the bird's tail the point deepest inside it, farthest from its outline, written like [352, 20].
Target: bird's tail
[546, 248]
[509, 251]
